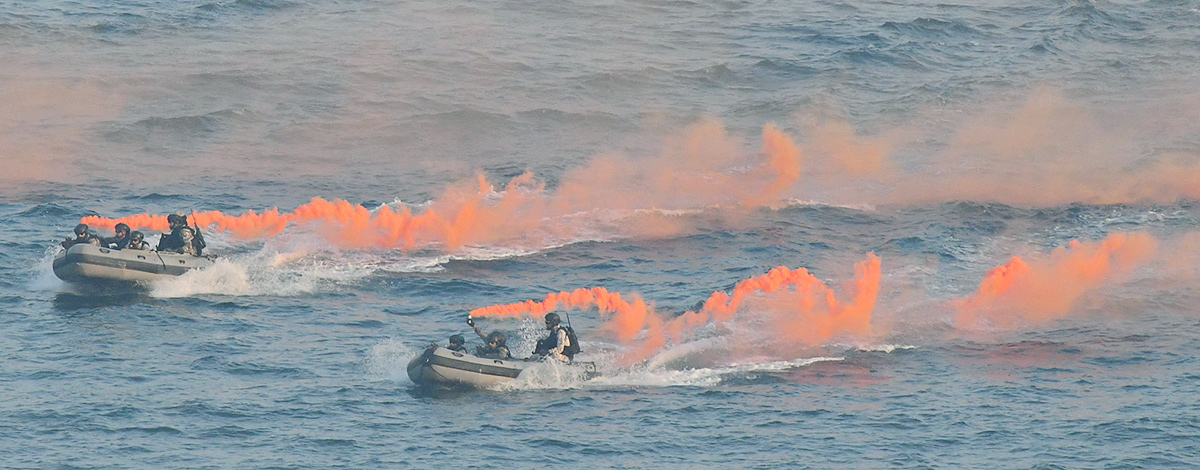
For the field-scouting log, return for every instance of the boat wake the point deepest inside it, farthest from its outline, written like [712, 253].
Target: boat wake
[387, 361]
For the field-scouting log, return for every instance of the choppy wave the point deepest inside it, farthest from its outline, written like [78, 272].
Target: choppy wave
[948, 140]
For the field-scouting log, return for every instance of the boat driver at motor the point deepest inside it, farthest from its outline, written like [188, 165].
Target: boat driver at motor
[558, 344]
[181, 238]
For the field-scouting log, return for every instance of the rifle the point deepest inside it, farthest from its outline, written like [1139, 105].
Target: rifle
[198, 240]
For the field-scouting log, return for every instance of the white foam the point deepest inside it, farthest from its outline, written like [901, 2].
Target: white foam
[43, 278]
[684, 352]
[675, 366]
[642, 376]
[885, 348]
[265, 273]
[790, 203]
[552, 375]
[670, 212]
[224, 277]
[388, 361]
[659, 378]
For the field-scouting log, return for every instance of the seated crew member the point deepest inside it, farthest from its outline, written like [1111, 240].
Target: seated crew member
[82, 235]
[118, 241]
[493, 343]
[181, 238]
[136, 241]
[456, 343]
[561, 344]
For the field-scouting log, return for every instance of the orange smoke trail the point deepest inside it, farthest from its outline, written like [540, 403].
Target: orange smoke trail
[245, 227]
[628, 318]
[696, 174]
[135, 222]
[1046, 290]
[809, 312]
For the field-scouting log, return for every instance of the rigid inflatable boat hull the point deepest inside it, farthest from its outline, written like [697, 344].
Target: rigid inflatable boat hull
[442, 367]
[85, 262]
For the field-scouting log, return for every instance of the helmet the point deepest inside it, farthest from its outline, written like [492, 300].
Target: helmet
[553, 318]
[457, 339]
[81, 229]
[136, 236]
[121, 227]
[498, 337]
[176, 219]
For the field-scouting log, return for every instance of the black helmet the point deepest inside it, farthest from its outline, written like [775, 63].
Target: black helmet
[121, 227]
[81, 229]
[457, 339]
[136, 236]
[553, 318]
[176, 219]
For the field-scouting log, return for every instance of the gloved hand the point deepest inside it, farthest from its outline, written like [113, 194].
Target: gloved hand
[470, 321]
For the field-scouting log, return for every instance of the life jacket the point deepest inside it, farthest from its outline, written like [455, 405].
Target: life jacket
[119, 243]
[572, 349]
[89, 239]
[174, 241]
[551, 342]
[488, 352]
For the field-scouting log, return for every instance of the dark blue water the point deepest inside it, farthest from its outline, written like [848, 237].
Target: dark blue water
[944, 138]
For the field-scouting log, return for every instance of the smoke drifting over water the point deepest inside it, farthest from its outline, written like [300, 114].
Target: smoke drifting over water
[785, 311]
[1044, 152]
[703, 169]
[46, 121]
[1042, 143]
[1046, 289]
[788, 307]
[781, 214]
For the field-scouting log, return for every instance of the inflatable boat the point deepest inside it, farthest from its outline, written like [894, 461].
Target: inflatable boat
[442, 367]
[84, 262]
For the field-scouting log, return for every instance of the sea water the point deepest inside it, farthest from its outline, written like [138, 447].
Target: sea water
[1024, 173]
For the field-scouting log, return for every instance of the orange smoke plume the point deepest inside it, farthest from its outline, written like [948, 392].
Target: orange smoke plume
[628, 318]
[47, 116]
[1045, 290]
[699, 172]
[799, 306]
[806, 310]
[782, 169]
